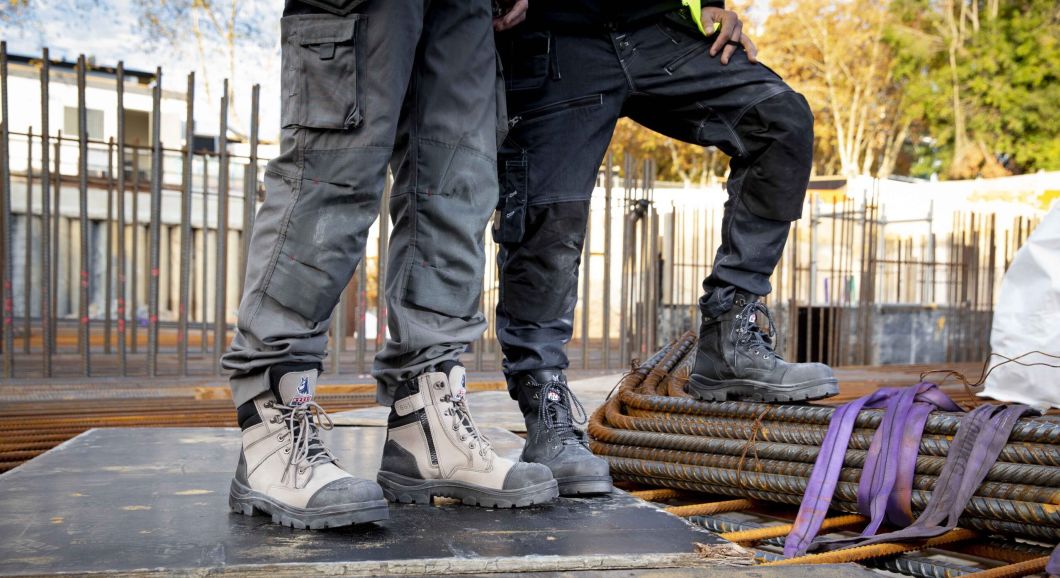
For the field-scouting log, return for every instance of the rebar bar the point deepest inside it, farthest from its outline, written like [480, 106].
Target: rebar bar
[84, 265]
[767, 459]
[221, 280]
[184, 300]
[916, 566]
[6, 297]
[46, 311]
[1016, 570]
[154, 248]
[122, 294]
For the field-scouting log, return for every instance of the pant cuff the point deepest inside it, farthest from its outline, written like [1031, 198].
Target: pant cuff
[247, 387]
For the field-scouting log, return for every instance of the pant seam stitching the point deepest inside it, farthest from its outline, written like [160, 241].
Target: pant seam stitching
[282, 233]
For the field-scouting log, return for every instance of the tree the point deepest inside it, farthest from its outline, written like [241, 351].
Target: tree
[835, 53]
[228, 24]
[983, 77]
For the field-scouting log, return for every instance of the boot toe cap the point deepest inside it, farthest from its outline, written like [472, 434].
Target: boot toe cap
[524, 474]
[582, 463]
[349, 490]
[804, 372]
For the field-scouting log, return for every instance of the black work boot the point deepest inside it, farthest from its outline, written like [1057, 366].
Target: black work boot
[552, 439]
[736, 360]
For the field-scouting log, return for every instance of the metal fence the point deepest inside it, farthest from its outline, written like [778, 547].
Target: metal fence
[126, 258]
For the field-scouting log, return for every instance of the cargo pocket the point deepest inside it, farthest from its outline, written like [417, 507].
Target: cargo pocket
[510, 220]
[527, 57]
[323, 68]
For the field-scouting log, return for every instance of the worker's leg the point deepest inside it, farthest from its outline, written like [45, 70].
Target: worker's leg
[344, 78]
[445, 190]
[565, 94]
[747, 111]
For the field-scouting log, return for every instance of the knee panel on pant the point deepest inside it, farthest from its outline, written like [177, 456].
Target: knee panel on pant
[325, 228]
[539, 266]
[778, 136]
[451, 211]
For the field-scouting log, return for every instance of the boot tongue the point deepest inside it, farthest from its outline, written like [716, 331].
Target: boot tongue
[457, 377]
[296, 387]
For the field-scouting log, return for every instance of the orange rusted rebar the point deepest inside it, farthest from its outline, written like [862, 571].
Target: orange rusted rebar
[1033, 566]
[710, 508]
[657, 494]
[1011, 553]
[785, 529]
[859, 553]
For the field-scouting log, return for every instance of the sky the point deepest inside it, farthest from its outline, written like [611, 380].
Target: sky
[109, 31]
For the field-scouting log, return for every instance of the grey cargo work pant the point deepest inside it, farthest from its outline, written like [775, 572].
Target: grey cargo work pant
[409, 82]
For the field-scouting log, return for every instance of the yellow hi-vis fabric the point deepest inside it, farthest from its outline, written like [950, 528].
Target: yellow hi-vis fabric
[696, 8]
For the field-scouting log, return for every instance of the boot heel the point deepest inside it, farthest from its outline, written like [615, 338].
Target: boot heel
[395, 491]
[237, 503]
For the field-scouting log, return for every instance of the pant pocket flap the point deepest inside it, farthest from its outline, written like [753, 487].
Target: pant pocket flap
[327, 31]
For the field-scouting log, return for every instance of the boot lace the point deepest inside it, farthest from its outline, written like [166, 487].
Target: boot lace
[747, 332]
[307, 450]
[462, 418]
[548, 414]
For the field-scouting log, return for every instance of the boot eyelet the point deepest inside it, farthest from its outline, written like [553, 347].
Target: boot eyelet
[287, 450]
[439, 385]
[269, 404]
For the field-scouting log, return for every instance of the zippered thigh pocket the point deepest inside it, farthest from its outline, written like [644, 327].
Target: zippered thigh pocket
[540, 112]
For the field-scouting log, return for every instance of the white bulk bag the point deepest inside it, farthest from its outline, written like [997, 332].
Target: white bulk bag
[1027, 318]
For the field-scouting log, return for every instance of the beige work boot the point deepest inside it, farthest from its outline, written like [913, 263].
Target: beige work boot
[434, 449]
[286, 471]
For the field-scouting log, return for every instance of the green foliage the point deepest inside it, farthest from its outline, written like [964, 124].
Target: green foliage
[1007, 67]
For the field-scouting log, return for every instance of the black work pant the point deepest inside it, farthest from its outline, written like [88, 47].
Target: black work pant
[565, 94]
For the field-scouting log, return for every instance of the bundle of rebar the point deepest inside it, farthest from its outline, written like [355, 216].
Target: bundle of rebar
[653, 433]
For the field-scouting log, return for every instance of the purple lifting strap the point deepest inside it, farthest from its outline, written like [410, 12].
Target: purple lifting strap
[885, 489]
[1053, 568]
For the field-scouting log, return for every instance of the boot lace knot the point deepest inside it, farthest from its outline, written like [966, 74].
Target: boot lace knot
[747, 332]
[306, 449]
[559, 411]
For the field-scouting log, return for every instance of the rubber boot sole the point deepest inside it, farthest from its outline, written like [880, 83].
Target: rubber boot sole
[243, 500]
[405, 490]
[706, 389]
[584, 485]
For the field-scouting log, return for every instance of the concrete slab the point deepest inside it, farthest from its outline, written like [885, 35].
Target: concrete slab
[154, 501]
[493, 408]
